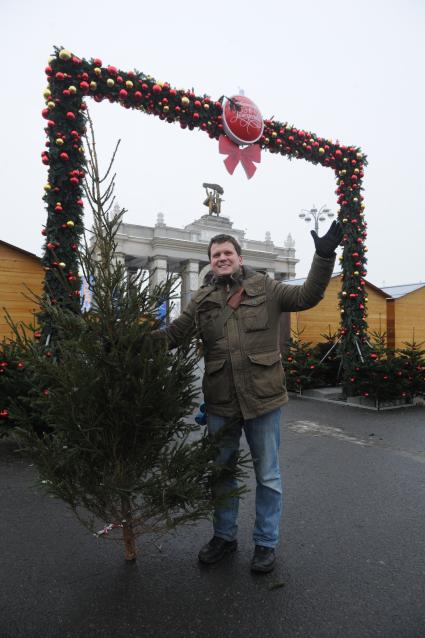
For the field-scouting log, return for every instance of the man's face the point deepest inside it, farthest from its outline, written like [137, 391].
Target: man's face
[224, 259]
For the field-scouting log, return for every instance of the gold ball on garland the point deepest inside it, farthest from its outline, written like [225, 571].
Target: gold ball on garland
[356, 273]
[110, 82]
[129, 84]
[359, 155]
[185, 101]
[47, 93]
[321, 151]
[345, 160]
[344, 294]
[50, 59]
[166, 108]
[93, 85]
[72, 89]
[47, 187]
[59, 141]
[70, 223]
[64, 54]
[206, 106]
[97, 70]
[62, 264]
[274, 134]
[51, 105]
[355, 199]
[345, 220]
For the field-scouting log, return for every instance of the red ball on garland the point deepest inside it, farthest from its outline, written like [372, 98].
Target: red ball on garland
[242, 120]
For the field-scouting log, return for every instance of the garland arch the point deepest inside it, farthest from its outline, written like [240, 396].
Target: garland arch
[72, 79]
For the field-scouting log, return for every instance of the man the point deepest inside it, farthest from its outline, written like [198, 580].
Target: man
[236, 316]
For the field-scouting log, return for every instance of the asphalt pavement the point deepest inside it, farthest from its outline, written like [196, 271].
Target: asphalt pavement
[351, 563]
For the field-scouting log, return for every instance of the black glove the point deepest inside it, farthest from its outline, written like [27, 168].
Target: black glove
[326, 245]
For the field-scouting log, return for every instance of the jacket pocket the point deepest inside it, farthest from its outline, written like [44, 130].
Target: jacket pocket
[216, 381]
[267, 375]
[253, 311]
[210, 324]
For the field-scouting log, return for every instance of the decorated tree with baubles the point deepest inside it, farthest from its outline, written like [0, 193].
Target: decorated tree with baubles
[71, 80]
[301, 365]
[380, 376]
[119, 446]
[412, 359]
[330, 368]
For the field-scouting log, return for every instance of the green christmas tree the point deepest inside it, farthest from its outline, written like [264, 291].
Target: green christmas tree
[300, 364]
[118, 444]
[412, 366]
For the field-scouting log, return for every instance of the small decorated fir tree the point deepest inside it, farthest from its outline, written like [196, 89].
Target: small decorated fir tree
[412, 360]
[300, 364]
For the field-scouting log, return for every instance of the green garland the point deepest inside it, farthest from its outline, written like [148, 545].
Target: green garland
[72, 79]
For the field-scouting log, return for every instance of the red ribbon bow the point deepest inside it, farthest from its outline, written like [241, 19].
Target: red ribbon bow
[246, 156]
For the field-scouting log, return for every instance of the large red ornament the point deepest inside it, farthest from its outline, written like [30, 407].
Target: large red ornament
[242, 120]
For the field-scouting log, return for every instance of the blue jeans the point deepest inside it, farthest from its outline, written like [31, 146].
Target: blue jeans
[263, 437]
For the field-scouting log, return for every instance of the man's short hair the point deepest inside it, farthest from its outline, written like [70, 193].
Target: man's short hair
[220, 239]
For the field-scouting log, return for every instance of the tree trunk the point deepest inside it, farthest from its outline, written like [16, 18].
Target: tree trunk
[127, 531]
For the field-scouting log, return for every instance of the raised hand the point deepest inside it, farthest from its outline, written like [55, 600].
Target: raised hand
[326, 245]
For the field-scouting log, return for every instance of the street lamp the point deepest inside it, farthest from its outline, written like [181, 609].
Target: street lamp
[318, 215]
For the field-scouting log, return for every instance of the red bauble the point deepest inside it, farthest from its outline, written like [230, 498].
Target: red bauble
[242, 120]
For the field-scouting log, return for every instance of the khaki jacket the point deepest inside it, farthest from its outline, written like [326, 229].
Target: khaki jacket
[243, 368]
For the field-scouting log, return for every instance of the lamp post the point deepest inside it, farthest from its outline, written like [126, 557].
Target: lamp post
[318, 215]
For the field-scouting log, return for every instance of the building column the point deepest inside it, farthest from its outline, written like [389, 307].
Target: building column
[190, 282]
[157, 270]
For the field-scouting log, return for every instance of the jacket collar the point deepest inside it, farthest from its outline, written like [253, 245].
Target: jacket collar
[252, 282]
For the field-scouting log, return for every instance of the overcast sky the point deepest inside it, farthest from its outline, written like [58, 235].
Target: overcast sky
[352, 72]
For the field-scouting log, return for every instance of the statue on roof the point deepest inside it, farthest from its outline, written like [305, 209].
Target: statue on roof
[213, 199]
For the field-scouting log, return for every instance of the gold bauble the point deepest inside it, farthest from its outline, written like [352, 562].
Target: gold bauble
[129, 84]
[62, 264]
[185, 100]
[110, 82]
[47, 187]
[64, 54]
[47, 93]
[59, 141]
[70, 224]
[97, 70]
[93, 85]
[321, 150]
[72, 89]
[51, 105]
